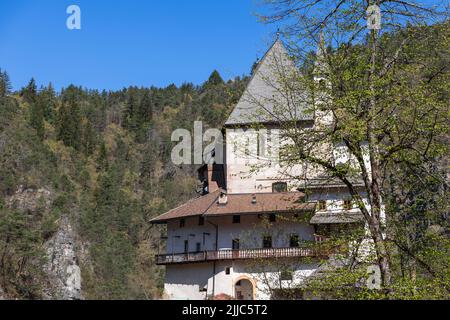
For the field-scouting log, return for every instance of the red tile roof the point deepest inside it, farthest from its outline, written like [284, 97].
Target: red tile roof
[238, 204]
[265, 202]
[194, 207]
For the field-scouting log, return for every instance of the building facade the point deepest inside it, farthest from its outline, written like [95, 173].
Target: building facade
[251, 231]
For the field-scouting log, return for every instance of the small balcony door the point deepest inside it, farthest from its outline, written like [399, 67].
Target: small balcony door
[235, 244]
[186, 246]
[235, 247]
[267, 242]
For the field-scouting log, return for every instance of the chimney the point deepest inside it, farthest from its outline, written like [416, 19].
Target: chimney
[212, 184]
[223, 199]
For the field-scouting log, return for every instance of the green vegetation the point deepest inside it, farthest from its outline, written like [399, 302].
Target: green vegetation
[105, 158]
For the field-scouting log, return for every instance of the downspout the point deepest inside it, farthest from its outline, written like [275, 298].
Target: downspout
[214, 262]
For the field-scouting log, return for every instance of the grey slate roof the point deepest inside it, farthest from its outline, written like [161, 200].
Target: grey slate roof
[325, 217]
[328, 182]
[267, 98]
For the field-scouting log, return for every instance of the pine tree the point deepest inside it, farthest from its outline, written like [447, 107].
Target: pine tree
[129, 114]
[102, 159]
[37, 117]
[69, 120]
[5, 84]
[88, 138]
[29, 93]
[145, 113]
[48, 97]
[214, 79]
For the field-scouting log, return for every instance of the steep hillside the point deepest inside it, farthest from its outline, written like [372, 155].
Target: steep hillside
[81, 173]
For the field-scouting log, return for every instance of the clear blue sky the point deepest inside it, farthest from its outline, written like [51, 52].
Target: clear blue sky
[129, 42]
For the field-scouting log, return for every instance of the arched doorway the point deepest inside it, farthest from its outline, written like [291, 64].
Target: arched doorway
[244, 289]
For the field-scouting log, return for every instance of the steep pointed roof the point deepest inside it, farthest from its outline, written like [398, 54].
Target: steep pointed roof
[272, 94]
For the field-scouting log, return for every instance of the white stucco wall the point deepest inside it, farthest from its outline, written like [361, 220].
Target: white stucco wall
[250, 231]
[248, 171]
[183, 282]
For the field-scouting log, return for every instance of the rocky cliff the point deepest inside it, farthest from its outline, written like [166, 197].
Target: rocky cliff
[61, 268]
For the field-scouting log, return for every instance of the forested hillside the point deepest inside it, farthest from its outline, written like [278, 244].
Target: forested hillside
[81, 174]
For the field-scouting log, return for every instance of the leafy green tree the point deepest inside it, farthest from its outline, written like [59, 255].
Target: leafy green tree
[374, 94]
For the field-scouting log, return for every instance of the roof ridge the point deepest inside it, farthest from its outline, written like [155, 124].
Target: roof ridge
[255, 72]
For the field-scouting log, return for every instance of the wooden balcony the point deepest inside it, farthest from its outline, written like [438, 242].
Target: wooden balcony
[206, 256]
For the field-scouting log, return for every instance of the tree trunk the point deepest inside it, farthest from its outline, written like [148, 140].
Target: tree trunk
[382, 253]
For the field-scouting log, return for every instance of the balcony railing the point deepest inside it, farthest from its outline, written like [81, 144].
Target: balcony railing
[205, 256]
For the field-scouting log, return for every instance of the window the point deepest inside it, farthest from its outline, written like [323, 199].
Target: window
[201, 221]
[322, 205]
[227, 270]
[235, 244]
[182, 223]
[198, 247]
[348, 204]
[286, 275]
[267, 242]
[236, 219]
[272, 218]
[258, 144]
[279, 187]
[247, 147]
[294, 241]
[186, 246]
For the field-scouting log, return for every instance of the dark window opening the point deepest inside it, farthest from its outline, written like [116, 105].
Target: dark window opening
[186, 246]
[247, 147]
[321, 205]
[272, 218]
[198, 247]
[236, 219]
[227, 270]
[267, 242]
[235, 244]
[258, 144]
[201, 221]
[279, 187]
[294, 241]
[182, 223]
[286, 275]
[348, 204]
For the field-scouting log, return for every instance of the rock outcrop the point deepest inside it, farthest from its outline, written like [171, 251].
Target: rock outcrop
[30, 199]
[62, 267]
